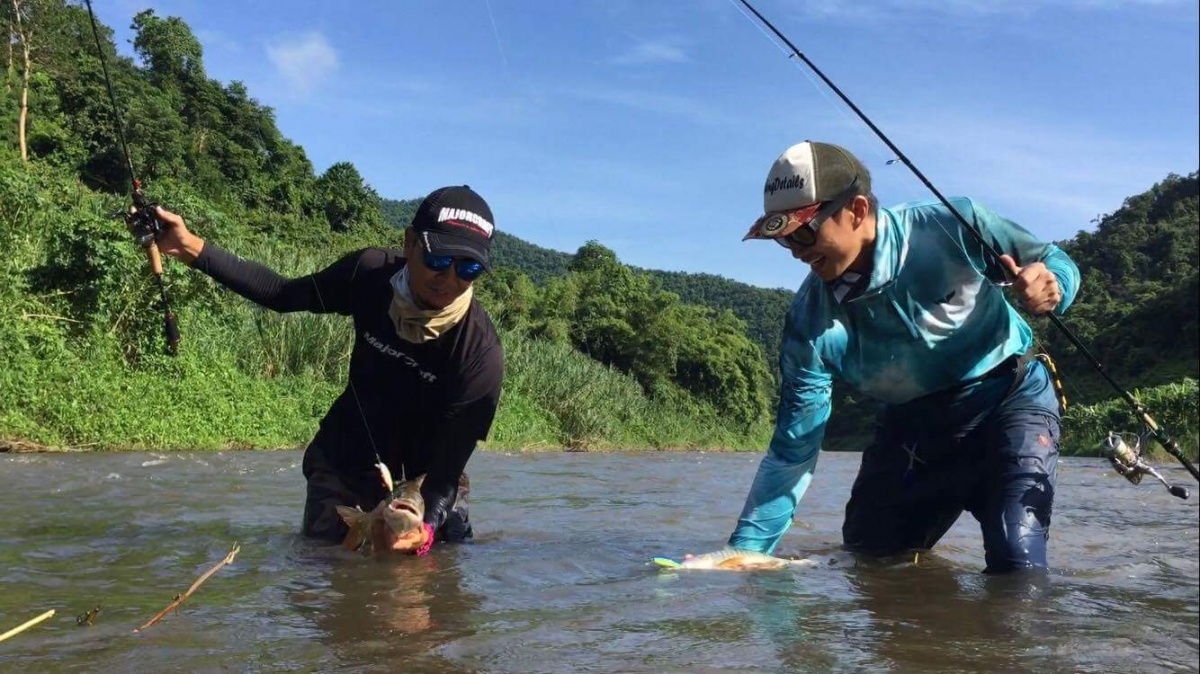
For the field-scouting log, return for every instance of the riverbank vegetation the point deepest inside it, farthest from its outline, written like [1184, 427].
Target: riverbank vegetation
[599, 355]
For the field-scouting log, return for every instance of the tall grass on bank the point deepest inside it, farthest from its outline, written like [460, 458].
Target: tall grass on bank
[554, 393]
[88, 396]
[1176, 407]
[246, 377]
[92, 398]
[272, 345]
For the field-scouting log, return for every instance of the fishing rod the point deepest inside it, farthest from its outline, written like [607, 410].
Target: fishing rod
[140, 218]
[1128, 460]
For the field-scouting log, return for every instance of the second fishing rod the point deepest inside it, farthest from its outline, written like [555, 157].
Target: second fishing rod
[140, 217]
[1154, 429]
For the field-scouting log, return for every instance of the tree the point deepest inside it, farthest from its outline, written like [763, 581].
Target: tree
[172, 54]
[623, 318]
[31, 25]
[509, 296]
[593, 256]
[346, 199]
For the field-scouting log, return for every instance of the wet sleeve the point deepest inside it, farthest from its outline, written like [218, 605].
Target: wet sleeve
[1010, 238]
[787, 469]
[328, 291]
[466, 421]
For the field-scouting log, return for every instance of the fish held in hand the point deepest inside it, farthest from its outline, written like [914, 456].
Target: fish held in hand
[396, 517]
[732, 560]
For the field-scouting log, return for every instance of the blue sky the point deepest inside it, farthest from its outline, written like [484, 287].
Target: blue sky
[650, 125]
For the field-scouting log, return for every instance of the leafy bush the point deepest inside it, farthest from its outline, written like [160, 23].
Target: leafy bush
[1176, 408]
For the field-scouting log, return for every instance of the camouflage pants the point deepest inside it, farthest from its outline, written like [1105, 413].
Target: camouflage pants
[328, 488]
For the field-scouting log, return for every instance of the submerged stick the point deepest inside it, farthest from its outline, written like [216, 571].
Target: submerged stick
[183, 597]
[26, 625]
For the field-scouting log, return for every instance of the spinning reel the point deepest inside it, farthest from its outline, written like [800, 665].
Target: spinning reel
[1128, 462]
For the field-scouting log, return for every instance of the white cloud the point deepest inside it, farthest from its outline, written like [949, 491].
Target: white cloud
[646, 53]
[304, 62]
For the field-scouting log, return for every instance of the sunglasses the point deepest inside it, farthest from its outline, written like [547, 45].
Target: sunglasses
[465, 268]
[806, 226]
[805, 222]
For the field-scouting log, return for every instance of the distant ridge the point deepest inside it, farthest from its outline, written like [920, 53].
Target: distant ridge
[761, 308]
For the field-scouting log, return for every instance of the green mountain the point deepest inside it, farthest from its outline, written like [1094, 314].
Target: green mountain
[1137, 310]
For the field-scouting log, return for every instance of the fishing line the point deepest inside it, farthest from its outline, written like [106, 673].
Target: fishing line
[839, 106]
[1160, 434]
[496, 32]
[354, 391]
[834, 104]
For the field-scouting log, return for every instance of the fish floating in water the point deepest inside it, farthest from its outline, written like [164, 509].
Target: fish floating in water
[730, 559]
[402, 511]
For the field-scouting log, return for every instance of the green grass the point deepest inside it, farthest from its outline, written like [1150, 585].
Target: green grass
[205, 399]
[1173, 406]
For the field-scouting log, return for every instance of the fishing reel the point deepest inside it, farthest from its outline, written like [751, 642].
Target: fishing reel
[145, 227]
[1128, 463]
[140, 219]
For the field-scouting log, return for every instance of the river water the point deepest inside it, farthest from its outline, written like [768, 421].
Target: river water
[558, 580]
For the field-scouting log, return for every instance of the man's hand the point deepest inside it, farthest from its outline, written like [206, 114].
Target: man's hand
[1035, 285]
[175, 239]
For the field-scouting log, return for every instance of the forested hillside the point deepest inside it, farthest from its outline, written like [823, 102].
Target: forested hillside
[599, 354]
[612, 361]
[1137, 312]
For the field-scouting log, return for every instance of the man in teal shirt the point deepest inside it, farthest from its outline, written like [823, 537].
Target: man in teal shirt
[906, 306]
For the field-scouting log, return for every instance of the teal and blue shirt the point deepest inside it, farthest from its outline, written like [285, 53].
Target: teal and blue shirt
[929, 318]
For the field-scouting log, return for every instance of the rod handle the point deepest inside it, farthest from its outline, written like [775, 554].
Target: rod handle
[154, 257]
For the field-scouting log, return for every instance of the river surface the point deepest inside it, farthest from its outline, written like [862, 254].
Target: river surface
[558, 579]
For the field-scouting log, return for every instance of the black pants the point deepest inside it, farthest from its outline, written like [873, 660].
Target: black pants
[328, 488]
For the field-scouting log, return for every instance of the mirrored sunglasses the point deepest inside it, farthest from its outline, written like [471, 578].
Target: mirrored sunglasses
[465, 268]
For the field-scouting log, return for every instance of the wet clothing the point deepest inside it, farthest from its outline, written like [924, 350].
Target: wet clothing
[926, 334]
[420, 407]
[995, 458]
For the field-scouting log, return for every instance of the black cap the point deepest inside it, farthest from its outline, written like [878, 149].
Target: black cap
[455, 221]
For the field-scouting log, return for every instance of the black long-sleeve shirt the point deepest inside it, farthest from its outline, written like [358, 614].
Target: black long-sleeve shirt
[421, 407]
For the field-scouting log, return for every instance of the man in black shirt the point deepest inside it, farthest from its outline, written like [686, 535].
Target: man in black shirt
[425, 371]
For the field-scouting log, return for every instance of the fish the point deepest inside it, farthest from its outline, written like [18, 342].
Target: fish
[731, 559]
[402, 511]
